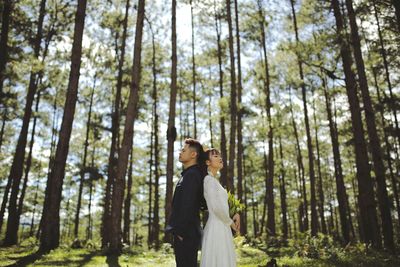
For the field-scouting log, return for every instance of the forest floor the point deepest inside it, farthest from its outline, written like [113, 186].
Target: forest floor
[25, 255]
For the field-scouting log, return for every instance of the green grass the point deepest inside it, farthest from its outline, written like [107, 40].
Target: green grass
[247, 256]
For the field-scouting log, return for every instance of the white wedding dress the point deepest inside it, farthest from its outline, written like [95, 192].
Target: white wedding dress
[217, 245]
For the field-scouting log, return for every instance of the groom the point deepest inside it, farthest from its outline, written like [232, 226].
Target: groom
[184, 223]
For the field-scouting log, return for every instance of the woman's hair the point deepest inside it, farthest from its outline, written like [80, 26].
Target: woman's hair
[206, 156]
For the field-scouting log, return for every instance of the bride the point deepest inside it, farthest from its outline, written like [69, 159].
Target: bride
[217, 246]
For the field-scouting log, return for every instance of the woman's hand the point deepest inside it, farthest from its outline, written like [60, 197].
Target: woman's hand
[234, 227]
[236, 219]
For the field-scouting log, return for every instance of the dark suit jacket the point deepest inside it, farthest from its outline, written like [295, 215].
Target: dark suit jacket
[186, 203]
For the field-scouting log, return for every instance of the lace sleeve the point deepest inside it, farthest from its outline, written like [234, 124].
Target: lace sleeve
[214, 201]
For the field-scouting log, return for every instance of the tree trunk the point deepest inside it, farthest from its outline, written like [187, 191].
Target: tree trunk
[11, 237]
[374, 140]
[89, 229]
[127, 203]
[303, 219]
[115, 126]
[193, 74]
[3, 125]
[392, 104]
[366, 193]
[321, 197]
[83, 167]
[224, 153]
[156, 218]
[171, 132]
[282, 187]
[5, 29]
[34, 207]
[29, 159]
[271, 231]
[51, 218]
[233, 105]
[126, 146]
[396, 5]
[340, 187]
[239, 117]
[313, 201]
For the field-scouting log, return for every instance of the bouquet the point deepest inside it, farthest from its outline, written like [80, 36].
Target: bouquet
[235, 206]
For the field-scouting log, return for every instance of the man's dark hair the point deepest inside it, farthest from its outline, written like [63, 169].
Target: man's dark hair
[196, 146]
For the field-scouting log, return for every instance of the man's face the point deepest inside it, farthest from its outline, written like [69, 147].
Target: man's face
[186, 154]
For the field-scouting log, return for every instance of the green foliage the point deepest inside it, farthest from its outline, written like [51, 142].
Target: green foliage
[235, 206]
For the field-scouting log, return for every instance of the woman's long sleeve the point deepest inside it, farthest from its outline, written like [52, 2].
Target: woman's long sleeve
[215, 203]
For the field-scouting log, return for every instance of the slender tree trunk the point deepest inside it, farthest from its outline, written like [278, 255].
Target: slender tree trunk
[89, 234]
[31, 232]
[115, 126]
[126, 146]
[224, 152]
[29, 159]
[388, 152]
[83, 167]
[156, 218]
[303, 219]
[270, 166]
[150, 240]
[387, 73]
[321, 196]
[340, 187]
[396, 5]
[193, 73]
[366, 193]
[282, 188]
[313, 201]
[5, 29]
[3, 125]
[171, 132]
[16, 171]
[239, 116]
[374, 140]
[127, 203]
[245, 193]
[233, 104]
[51, 218]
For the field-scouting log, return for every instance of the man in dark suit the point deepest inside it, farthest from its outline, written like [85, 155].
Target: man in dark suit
[184, 223]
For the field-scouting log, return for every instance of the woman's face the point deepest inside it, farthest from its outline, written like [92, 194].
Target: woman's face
[215, 161]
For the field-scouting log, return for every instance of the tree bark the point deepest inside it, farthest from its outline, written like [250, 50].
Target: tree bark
[321, 197]
[224, 152]
[304, 218]
[282, 188]
[115, 126]
[271, 229]
[239, 117]
[127, 203]
[313, 201]
[156, 218]
[5, 29]
[374, 140]
[126, 146]
[340, 187]
[366, 201]
[233, 104]
[51, 218]
[171, 132]
[193, 74]
[382, 51]
[396, 5]
[16, 171]
[83, 167]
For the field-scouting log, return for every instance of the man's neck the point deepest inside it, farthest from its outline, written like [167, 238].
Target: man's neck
[189, 164]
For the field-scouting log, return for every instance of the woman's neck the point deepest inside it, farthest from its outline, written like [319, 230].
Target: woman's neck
[213, 171]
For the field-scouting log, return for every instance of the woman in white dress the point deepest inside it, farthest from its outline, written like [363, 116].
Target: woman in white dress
[217, 245]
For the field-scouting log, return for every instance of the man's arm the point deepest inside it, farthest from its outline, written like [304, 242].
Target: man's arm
[190, 188]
